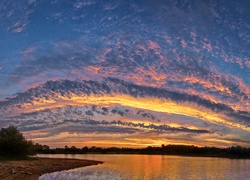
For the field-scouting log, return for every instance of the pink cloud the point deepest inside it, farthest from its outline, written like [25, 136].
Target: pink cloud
[183, 43]
[226, 60]
[168, 40]
[142, 47]
[153, 45]
[207, 46]
[159, 54]
[18, 27]
[239, 62]
[18, 30]
[247, 63]
[17, 24]
[28, 51]
[107, 51]
[196, 50]
[193, 34]
[174, 50]
[103, 56]
[94, 69]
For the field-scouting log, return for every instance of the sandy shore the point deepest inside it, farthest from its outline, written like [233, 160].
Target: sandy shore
[31, 169]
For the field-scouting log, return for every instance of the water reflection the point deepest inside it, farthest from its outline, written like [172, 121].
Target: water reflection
[154, 167]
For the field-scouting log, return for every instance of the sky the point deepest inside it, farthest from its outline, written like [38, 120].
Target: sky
[126, 73]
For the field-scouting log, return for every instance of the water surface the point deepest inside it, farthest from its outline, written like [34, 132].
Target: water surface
[153, 167]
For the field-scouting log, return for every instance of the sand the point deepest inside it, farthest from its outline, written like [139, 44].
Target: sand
[33, 168]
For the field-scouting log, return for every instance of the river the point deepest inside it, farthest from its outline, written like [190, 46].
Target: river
[153, 167]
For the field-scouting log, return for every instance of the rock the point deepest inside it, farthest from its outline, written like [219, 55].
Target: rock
[13, 171]
[29, 173]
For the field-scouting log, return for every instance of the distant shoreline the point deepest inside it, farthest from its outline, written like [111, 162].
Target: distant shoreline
[32, 168]
[234, 152]
[187, 155]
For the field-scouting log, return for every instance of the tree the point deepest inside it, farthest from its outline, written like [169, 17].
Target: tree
[13, 144]
[85, 150]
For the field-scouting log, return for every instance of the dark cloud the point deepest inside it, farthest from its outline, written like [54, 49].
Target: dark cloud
[93, 129]
[90, 113]
[112, 85]
[93, 126]
[237, 140]
[163, 127]
[146, 115]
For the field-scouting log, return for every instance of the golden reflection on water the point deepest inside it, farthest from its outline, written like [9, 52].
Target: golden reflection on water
[157, 167]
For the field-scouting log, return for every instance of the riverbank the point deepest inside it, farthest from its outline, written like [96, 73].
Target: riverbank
[32, 168]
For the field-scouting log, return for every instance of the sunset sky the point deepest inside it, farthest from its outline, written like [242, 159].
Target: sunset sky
[126, 73]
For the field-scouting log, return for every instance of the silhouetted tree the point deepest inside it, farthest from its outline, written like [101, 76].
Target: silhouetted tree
[13, 144]
[85, 150]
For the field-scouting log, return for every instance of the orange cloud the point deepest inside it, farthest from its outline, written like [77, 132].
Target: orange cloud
[153, 104]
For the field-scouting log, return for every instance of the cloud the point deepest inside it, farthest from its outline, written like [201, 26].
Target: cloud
[63, 93]
[183, 43]
[149, 60]
[126, 122]
[161, 128]
[171, 64]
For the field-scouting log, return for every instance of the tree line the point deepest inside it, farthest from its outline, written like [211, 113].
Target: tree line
[14, 145]
[234, 151]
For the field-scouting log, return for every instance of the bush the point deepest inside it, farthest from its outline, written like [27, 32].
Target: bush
[13, 144]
